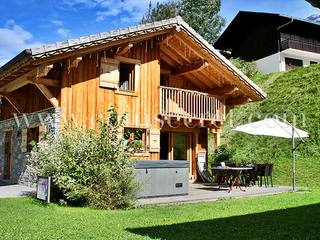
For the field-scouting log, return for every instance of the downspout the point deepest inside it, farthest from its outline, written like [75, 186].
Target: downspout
[279, 38]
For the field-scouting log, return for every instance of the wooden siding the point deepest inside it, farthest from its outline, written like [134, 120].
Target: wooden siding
[83, 101]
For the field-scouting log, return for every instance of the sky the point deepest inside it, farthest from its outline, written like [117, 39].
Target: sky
[29, 23]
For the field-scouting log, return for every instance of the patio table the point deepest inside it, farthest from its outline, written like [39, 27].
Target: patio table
[234, 174]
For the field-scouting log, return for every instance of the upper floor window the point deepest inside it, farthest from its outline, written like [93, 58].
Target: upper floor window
[119, 73]
[127, 76]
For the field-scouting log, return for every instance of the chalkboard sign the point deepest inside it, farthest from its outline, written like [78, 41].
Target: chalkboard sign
[43, 188]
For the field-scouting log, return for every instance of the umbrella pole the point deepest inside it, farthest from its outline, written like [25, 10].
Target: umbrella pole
[293, 162]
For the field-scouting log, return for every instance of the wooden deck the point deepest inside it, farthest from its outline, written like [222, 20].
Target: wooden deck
[207, 193]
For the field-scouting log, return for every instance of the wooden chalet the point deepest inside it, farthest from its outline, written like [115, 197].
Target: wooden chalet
[173, 85]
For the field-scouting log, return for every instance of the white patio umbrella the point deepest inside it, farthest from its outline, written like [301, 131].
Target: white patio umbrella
[275, 128]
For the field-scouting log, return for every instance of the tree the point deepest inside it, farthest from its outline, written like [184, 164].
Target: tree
[202, 15]
[315, 3]
[161, 11]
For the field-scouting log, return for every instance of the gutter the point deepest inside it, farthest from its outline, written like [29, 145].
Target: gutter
[279, 37]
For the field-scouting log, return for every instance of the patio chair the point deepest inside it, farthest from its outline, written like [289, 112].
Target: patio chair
[203, 170]
[268, 174]
[264, 172]
[249, 177]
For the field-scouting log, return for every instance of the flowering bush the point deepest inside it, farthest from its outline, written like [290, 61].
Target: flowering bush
[89, 166]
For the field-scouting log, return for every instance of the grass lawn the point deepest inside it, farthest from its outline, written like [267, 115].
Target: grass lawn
[285, 216]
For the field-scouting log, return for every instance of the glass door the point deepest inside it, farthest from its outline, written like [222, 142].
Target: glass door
[180, 146]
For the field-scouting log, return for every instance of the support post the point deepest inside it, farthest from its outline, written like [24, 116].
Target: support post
[217, 139]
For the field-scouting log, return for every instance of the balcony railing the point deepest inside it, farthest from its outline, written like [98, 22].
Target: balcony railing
[181, 103]
[300, 45]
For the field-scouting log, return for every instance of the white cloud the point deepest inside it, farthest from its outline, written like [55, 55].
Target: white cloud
[63, 32]
[133, 9]
[13, 40]
[56, 22]
[85, 3]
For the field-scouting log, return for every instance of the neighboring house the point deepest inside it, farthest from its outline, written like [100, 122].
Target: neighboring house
[173, 85]
[275, 42]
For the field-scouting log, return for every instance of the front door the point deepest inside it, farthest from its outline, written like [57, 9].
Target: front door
[8, 155]
[180, 146]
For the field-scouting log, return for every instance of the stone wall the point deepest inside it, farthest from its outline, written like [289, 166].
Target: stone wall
[50, 118]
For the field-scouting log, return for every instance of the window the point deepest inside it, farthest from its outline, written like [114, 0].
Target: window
[313, 62]
[127, 77]
[32, 137]
[137, 136]
[292, 63]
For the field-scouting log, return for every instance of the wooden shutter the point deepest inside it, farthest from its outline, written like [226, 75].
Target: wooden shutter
[24, 140]
[154, 144]
[109, 73]
[136, 77]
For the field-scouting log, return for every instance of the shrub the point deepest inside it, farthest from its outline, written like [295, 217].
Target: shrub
[89, 166]
[223, 154]
[248, 68]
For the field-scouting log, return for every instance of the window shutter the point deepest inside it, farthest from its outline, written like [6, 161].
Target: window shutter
[154, 137]
[24, 140]
[109, 73]
[136, 77]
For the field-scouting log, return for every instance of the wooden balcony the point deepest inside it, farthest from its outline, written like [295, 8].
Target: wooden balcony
[300, 45]
[181, 103]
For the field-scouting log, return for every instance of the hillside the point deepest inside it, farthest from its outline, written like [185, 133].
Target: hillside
[292, 95]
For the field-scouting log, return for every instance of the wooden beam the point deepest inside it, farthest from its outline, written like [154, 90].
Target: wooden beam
[47, 82]
[47, 93]
[173, 56]
[74, 61]
[177, 52]
[166, 40]
[198, 81]
[127, 60]
[42, 70]
[165, 71]
[15, 84]
[238, 101]
[168, 60]
[191, 68]
[219, 66]
[13, 102]
[124, 49]
[226, 90]
[27, 78]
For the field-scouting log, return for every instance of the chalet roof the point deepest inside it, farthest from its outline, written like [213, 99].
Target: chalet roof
[33, 55]
[246, 22]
